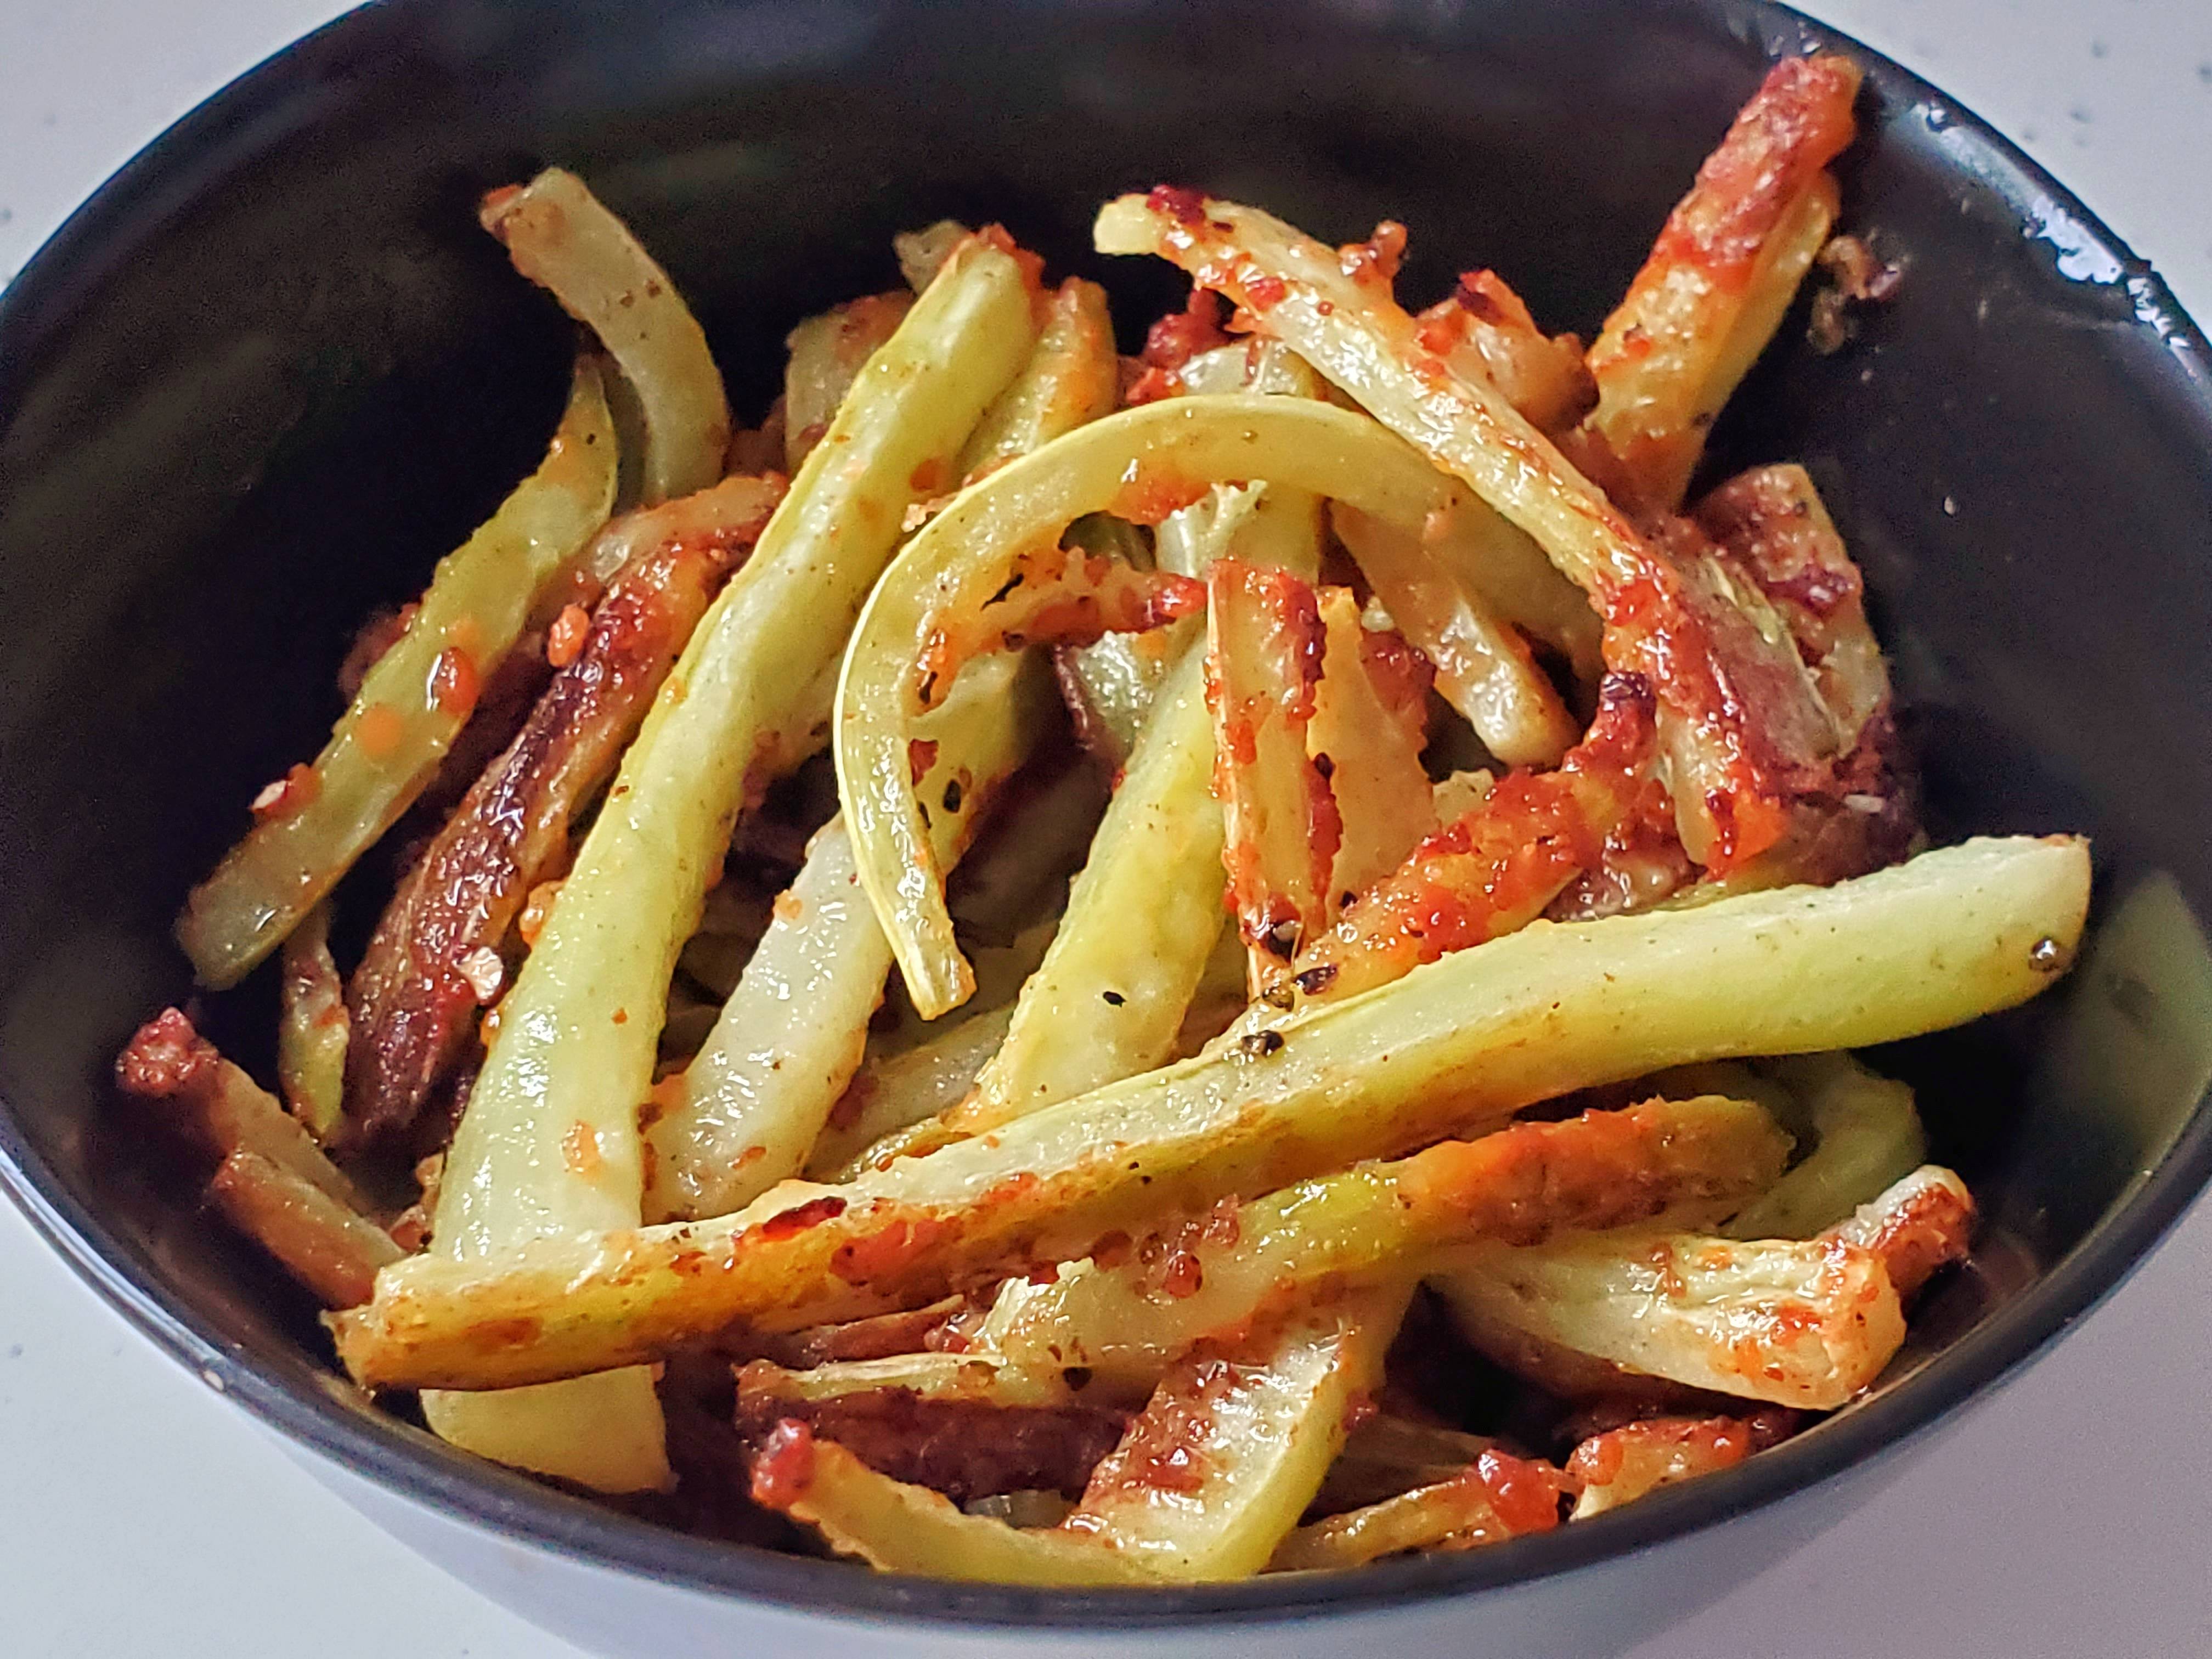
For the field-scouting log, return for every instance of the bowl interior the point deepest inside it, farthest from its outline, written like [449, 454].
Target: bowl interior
[274, 371]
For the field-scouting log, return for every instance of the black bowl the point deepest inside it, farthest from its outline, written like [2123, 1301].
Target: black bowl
[272, 370]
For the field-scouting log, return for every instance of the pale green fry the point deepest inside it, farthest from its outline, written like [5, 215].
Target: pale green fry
[1866, 1134]
[312, 1028]
[560, 236]
[963, 557]
[904, 1089]
[388, 744]
[1689, 1160]
[751, 1104]
[1453, 1047]
[1071, 379]
[1806, 1323]
[897, 1528]
[550, 1146]
[1259, 1435]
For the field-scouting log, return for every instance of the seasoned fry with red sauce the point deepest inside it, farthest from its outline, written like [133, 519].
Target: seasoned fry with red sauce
[1624, 1464]
[1498, 1497]
[1920, 1225]
[1263, 661]
[413, 1005]
[964, 1449]
[1496, 868]
[1371, 722]
[1671, 353]
[333, 1251]
[1486, 328]
[1057, 595]
[1746, 733]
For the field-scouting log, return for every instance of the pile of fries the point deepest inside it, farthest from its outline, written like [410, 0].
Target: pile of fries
[1382, 894]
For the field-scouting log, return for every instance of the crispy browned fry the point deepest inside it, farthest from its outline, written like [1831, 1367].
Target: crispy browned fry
[964, 1447]
[911, 1330]
[1774, 522]
[1263, 658]
[220, 1110]
[1498, 1497]
[434, 957]
[1496, 868]
[1624, 1464]
[1057, 595]
[1370, 724]
[1923, 1223]
[1485, 326]
[311, 1026]
[331, 1249]
[1721, 274]
[1864, 814]
[1746, 731]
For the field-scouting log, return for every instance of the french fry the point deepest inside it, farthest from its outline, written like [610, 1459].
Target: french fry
[1070, 379]
[751, 1104]
[1866, 1135]
[1805, 1323]
[1923, 1222]
[1773, 520]
[1721, 274]
[1370, 724]
[1215, 1471]
[922, 253]
[548, 1148]
[1737, 703]
[312, 1027]
[1112, 684]
[415, 1002]
[905, 1089]
[1142, 918]
[411, 706]
[1386, 1454]
[896, 1527]
[331, 1249]
[1484, 669]
[1497, 1497]
[966, 1427]
[1485, 328]
[827, 354]
[561, 237]
[219, 1110]
[1455, 1047]
[1496, 868]
[971, 1379]
[1279, 824]
[1138, 463]
[1626, 1463]
[1223, 1274]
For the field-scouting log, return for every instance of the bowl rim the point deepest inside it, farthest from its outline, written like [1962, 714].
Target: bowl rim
[415, 1465]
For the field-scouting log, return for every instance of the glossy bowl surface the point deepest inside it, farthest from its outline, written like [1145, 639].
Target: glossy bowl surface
[272, 370]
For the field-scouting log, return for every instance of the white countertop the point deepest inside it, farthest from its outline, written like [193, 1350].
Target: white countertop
[141, 1513]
